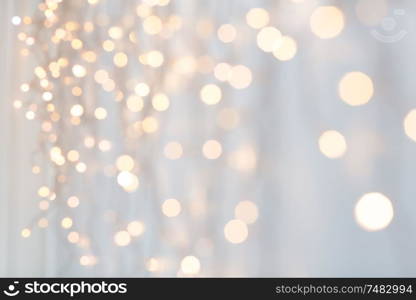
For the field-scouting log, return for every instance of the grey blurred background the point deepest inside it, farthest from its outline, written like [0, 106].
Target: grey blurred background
[306, 224]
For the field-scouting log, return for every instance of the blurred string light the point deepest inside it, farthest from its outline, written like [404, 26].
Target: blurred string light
[130, 60]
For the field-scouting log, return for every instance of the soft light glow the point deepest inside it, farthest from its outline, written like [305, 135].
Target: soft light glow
[373, 211]
[173, 150]
[332, 144]
[409, 124]
[356, 88]
[210, 94]
[236, 231]
[73, 202]
[79, 71]
[73, 155]
[120, 59]
[269, 39]
[66, 222]
[153, 265]
[73, 237]
[171, 208]
[371, 13]
[125, 163]
[152, 25]
[142, 89]
[222, 71]
[150, 125]
[25, 232]
[134, 103]
[228, 118]
[100, 113]
[240, 77]
[160, 102]
[122, 238]
[135, 228]
[190, 265]
[128, 181]
[327, 22]
[115, 32]
[154, 59]
[77, 110]
[226, 33]
[43, 191]
[212, 149]
[246, 211]
[257, 18]
[287, 50]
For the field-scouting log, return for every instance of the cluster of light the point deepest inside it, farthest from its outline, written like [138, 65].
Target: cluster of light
[239, 76]
[128, 181]
[143, 100]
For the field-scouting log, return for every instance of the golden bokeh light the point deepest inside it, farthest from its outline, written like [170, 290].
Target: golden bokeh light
[173, 150]
[190, 265]
[160, 102]
[374, 211]
[134, 103]
[286, 50]
[409, 124]
[356, 88]
[120, 59]
[327, 22]
[135, 228]
[269, 39]
[212, 149]
[77, 110]
[152, 25]
[128, 181]
[171, 207]
[66, 222]
[26, 232]
[150, 125]
[222, 71]
[257, 18]
[226, 33]
[246, 211]
[332, 144]
[73, 201]
[122, 238]
[240, 77]
[125, 163]
[79, 71]
[236, 231]
[210, 94]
